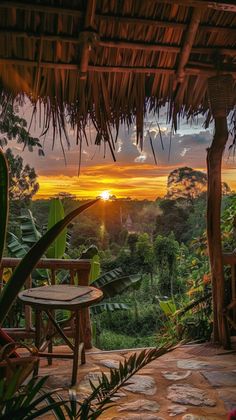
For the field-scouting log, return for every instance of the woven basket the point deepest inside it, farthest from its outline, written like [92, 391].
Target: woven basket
[220, 95]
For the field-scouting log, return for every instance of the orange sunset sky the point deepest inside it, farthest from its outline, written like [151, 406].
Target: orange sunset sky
[135, 174]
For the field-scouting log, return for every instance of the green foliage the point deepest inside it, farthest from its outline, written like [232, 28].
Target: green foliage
[33, 400]
[186, 183]
[28, 263]
[23, 178]
[166, 249]
[13, 127]
[113, 282]
[56, 213]
[30, 401]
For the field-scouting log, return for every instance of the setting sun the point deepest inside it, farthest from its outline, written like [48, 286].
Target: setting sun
[105, 195]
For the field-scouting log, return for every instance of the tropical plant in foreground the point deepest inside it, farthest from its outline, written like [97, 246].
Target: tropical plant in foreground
[29, 261]
[34, 400]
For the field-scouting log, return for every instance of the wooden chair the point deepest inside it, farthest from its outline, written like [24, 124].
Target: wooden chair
[11, 361]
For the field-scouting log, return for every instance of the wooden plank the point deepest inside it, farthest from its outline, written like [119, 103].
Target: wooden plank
[57, 292]
[229, 258]
[49, 263]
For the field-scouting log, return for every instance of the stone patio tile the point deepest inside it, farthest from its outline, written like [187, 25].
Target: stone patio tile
[219, 378]
[140, 405]
[228, 395]
[188, 395]
[176, 376]
[194, 364]
[141, 384]
[140, 416]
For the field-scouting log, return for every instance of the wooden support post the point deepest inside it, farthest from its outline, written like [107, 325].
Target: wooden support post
[220, 96]
[214, 159]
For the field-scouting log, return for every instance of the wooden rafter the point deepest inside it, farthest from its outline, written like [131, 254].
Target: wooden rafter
[188, 44]
[108, 17]
[110, 43]
[189, 70]
[203, 4]
[88, 24]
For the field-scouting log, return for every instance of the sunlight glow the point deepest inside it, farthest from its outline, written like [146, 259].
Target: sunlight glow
[105, 195]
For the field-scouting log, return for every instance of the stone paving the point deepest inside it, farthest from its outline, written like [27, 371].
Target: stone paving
[191, 383]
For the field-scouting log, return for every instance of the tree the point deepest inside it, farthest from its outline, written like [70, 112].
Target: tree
[173, 219]
[23, 178]
[145, 254]
[166, 250]
[188, 183]
[13, 127]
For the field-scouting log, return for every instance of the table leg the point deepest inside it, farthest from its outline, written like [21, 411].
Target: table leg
[76, 348]
[37, 335]
[50, 346]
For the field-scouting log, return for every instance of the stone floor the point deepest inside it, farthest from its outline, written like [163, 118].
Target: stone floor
[194, 382]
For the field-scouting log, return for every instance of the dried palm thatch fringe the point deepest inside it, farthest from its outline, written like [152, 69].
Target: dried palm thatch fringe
[86, 61]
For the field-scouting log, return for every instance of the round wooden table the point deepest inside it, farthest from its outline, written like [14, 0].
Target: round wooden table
[47, 299]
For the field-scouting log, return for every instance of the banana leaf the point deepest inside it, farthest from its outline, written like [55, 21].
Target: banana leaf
[4, 204]
[56, 213]
[168, 307]
[114, 282]
[19, 250]
[29, 232]
[95, 269]
[28, 263]
[16, 248]
[108, 307]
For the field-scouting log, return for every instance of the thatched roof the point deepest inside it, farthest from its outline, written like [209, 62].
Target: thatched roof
[112, 60]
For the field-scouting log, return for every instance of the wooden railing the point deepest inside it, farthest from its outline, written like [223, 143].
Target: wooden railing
[77, 269]
[229, 259]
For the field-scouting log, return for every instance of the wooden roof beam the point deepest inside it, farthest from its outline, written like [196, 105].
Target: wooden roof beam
[197, 70]
[188, 44]
[33, 7]
[229, 6]
[88, 24]
[110, 43]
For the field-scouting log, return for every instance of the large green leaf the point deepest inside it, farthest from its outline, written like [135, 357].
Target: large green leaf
[16, 248]
[95, 269]
[108, 307]
[114, 282]
[3, 201]
[168, 307]
[56, 213]
[29, 231]
[28, 263]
